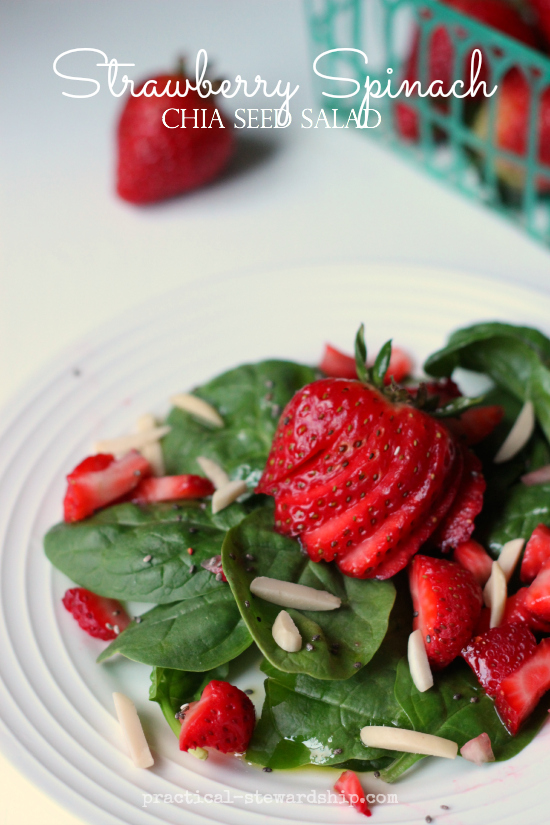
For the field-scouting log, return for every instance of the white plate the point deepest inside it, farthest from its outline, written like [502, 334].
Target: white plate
[56, 715]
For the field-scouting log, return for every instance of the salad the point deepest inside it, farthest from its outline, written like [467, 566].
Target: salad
[383, 542]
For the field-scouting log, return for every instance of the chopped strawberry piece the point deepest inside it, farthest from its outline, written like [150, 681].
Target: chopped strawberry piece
[536, 553]
[537, 598]
[214, 565]
[99, 617]
[350, 787]
[498, 653]
[223, 718]
[474, 425]
[171, 488]
[447, 604]
[471, 555]
[478, 750]
[519, 693]
[459, 525]
[400, 366]
[100, 480]
[337, 364]
[516, 612]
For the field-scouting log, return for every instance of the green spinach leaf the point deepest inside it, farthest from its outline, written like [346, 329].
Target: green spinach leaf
[106, 552]
[171, 688]
[520, 512]
[438, 712]
[200, 632]
[347, 637]
[250, 399]
[516, 358]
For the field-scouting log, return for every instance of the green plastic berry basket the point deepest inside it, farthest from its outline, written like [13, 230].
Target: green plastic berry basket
[456, 142]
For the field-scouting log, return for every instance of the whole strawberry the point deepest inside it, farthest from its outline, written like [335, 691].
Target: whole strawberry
[157, 161]
[447, 603]
[364, 480]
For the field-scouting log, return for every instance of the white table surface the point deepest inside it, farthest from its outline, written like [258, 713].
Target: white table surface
[73, 256]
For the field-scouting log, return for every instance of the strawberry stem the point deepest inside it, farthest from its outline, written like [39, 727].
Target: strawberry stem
[361, 356]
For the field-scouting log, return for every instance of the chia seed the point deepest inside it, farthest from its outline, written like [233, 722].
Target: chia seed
[247, 603]
[259, 618]
[192, 568]
[249, 569]
[219, 577]
[316, 637]
[147, 559]
[249, 691]
[309, 646]
[444, 807]
[267, 770]
[457, 696]
[250, 557]
[193, 529]
[232, 556]
[176, 506]
[138, 619]
[376, 774]
[357, 665]
[337, 751]
[108, 626]
[415, 614]
[474, 700]
[429, 819]
[428, 639]
[356, 644]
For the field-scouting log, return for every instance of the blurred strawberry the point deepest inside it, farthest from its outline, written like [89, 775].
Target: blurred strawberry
[493, 13]
[541, 9]
[155, 161]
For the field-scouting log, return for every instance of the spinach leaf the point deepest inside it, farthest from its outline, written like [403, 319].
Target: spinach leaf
[250, 399]
[357, 628]
[200, 632]
[171, 688]
[522, 510]
[306, 720]
[516, 358]
[106, 552]
[437, 711]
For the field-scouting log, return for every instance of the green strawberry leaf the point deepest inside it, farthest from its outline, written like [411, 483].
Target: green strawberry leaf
[381, 364]
[361, 356]
[198, 633]
[357, 628]
[106, 552]
[171, 688]
[250, 400]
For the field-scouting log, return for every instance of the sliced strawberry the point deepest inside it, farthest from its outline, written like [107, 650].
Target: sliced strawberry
[476, 424]
[100, 480]
[459, 525]
[516, 612]
[499, 652]
[223, 718]
[99, 617]
[214, 565]
[171, 488]
[447, 603]
[536, 553]
[337, 364]
[349, 786]
[400, 366]
[484, 623]
[519, 693]
[537, 598]
[471, 555]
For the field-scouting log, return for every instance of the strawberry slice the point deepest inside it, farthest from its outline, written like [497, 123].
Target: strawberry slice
[537, 598]
[458, 525]
[223, 719]
[499, 652]
[349, 786]
[171, 488]
[536, 554]
[519, 693]
[476, 424]
[447, 604]
[101, 479]
[99, 617]
[337, 364]
[516, 612]
[471, 555]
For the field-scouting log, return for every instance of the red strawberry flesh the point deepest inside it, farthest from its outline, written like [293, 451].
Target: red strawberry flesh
[349, 786]
[536, 554]
[223, 719]
[98, 616]
[537, 598]
[519, 693]
[499, 652]
[471, 555]
[172, 488]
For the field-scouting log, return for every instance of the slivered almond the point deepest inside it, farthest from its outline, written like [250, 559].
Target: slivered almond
[519, 435]
[133, 731]
[286, 634]
[409, 741]
[151, 452]
[197, 407]
[289, 594]
[421, 673]
[509, 556]
[213, 471]
[136, 441]
[227, 494]
[495, 593]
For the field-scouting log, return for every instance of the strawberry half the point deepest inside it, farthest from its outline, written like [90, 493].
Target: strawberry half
[101, 479]
[474, 558]
[171, 488]
[499, 652]
[536, 554]
[99, 617]
[223, 719]
[447, 604]
[519, 693]
[349, 786]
